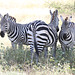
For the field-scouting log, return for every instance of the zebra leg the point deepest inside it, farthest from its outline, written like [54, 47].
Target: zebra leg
[63, 50]
[45, 52]
[37, 59]
[67, 48]
[14, 46]
[71, 51]
[71, 56]
[32, 50]
[20, 46]
[54, 50]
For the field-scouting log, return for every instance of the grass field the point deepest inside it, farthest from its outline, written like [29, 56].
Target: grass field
[18, 62]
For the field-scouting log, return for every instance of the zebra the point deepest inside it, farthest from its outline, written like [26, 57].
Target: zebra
[67, 34]
[46, 35]
[54, 26]
[20, 33]
[54, 22]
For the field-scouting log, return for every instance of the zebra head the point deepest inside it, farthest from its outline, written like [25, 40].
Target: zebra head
[65, 23]
[1, 33]
[55, 19]
[5, 23]
[66, 28]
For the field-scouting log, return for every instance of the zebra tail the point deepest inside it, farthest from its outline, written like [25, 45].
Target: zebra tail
[34, 34]
[35, 45]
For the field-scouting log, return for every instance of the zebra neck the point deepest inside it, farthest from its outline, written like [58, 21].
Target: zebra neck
[11, 28]
[53, 22]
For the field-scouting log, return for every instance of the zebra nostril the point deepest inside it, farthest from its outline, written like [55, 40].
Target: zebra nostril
[64, 36]
[2, 34]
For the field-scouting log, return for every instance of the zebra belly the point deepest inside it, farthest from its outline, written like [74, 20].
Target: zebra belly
[18, 40]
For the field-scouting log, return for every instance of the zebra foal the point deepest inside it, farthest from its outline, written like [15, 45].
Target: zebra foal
[67, 34]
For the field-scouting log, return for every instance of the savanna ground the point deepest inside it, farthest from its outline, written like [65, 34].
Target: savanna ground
[18, 62]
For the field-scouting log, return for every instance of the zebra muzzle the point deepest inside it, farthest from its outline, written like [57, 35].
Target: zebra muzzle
[2, 34]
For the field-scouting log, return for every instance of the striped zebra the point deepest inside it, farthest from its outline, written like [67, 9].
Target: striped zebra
[20, 33]
[46, 35]
[53, 25]
[67, 34]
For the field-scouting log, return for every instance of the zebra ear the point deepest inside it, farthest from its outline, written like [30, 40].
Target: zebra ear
[1, 16]
[56, 12]
[70, 18]
[50, 12]
[7, 16]
[61, 18]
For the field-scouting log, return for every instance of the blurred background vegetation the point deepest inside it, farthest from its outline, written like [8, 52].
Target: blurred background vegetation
[18, 62]
[64, 6]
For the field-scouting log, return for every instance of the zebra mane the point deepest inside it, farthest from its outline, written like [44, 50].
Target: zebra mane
[54, 13]
[13, 19]
[66, 18]
[53, 16]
